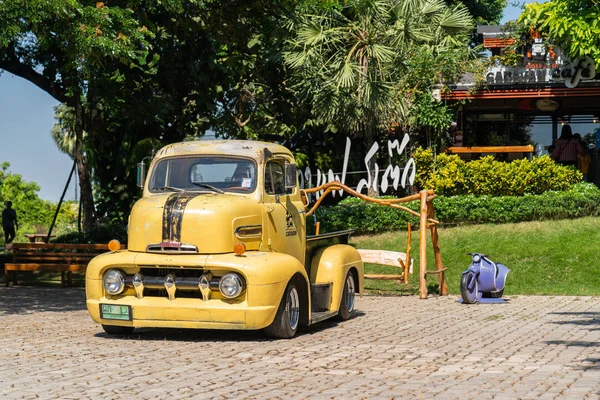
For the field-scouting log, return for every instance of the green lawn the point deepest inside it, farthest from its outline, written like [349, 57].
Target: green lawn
[548, 258]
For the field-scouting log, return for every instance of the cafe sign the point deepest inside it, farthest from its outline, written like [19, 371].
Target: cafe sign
[582, 69]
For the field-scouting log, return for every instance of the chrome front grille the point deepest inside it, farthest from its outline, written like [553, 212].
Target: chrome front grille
[171, 283]
[172, 248]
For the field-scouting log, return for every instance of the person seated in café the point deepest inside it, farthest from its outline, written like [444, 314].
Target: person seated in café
[567, 148]
[584, 159]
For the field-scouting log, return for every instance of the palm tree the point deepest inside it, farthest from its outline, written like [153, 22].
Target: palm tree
[353, 63]
[63, 131]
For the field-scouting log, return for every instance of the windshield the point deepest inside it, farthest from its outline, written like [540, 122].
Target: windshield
[204, 174]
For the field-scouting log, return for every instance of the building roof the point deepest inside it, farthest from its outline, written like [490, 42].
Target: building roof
[492, 30]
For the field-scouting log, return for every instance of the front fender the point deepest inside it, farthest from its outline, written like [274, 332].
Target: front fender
[331, 264]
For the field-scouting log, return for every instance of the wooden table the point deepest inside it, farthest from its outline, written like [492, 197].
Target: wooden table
[491, 149]
[37, 237]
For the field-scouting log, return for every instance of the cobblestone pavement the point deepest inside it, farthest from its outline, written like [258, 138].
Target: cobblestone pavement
[395, 347]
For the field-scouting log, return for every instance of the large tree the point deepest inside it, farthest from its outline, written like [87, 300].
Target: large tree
[63, 47]
[574, 25]
[485, 12]
[360, 65]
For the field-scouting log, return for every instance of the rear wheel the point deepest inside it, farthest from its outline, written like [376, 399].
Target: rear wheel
[286, 320]
[468, 287]
[117, 330]
[348, 296]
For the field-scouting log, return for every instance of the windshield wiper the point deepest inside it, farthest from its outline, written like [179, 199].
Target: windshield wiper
[171, 188]
[204, 185]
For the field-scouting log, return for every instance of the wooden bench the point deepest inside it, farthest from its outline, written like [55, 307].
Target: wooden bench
[52, 257]
[391, 258]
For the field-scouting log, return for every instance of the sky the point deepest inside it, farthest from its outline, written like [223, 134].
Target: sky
[26, 119]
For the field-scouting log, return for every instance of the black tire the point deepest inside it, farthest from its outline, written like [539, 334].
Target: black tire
[287, 319]
[117, 330]
[347, 301]
[468, 296]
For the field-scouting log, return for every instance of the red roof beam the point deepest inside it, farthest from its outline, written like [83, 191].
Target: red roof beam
[498, 43]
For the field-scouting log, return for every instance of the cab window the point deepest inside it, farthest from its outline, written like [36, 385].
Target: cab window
[275, 178]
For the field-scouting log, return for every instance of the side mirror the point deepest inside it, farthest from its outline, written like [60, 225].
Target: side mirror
[141, 174]
[290, 176]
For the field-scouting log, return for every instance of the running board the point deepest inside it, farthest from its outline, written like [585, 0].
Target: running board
[320, 316]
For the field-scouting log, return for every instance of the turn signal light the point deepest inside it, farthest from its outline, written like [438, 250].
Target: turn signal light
[239, 248]
[114, 245]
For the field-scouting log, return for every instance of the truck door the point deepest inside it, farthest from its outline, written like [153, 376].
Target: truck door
[286, 227]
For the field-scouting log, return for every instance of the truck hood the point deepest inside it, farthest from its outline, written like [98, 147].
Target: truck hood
[184, 220]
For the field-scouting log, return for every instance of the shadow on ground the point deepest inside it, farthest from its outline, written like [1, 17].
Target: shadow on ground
[32, 299]
[588, 318]
[212, 335]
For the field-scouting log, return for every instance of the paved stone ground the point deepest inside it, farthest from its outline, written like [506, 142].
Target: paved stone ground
[395, 347]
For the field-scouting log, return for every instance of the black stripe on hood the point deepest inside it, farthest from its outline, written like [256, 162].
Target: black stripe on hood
[173, 216]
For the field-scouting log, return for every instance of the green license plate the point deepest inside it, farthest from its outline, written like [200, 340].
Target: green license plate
[110, 311]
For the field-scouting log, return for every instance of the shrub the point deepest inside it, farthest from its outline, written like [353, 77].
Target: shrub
[449, 175]
[102, 234]
[365, 218]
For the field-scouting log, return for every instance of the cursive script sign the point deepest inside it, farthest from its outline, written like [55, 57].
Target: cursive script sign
[573, 73]
[579, 70]
[378, 179]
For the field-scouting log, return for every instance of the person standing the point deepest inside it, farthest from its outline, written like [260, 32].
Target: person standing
[9, 223]
[567, 148]
[583, 160]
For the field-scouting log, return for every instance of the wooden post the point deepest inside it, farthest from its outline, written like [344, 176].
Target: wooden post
[408, 244]
[423, 246]
[442, 287]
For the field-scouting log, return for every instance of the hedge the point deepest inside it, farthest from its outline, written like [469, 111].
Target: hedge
[449, 175]
[581, 200]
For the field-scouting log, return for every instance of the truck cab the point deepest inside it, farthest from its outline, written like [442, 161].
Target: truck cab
[218, 240]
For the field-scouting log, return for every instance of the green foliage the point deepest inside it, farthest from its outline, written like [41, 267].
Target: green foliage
[572, 24]
[352, 63]
[449, 175]
[486, 12]
[363, 217]
[101, 234]
[581, 200]
[34, 215]
[81, 53]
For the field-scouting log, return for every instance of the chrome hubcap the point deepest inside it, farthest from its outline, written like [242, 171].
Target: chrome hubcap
[293, 308]
[350, 293]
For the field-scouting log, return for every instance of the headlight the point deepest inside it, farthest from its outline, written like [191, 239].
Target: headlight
[113, 282]
[231, 286]
[476, 258]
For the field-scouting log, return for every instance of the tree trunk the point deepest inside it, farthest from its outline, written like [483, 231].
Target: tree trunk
[85, 182]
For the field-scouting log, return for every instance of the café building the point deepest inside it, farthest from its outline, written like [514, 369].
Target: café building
[518, 109]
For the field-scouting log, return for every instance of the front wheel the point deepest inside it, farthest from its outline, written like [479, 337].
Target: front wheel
[348, 295]
[468, 287]
[286, 320]
[117, 330]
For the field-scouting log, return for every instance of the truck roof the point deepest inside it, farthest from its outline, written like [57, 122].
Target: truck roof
[246, 148]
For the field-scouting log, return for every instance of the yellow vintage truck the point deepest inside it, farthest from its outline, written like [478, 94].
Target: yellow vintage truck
[218, 241]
